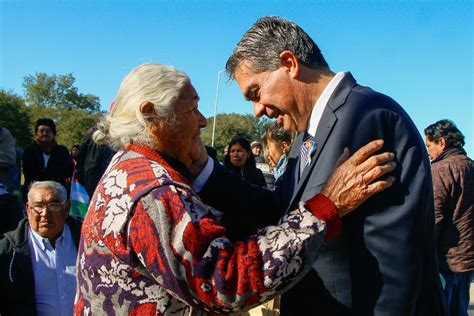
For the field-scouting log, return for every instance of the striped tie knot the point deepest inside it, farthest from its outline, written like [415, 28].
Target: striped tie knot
[308, 147]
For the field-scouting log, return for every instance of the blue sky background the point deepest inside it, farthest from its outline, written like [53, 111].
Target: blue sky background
[418, 52]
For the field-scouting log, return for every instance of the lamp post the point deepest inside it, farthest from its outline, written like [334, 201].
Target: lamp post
[215, 106]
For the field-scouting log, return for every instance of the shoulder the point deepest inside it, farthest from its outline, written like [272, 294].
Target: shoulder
[30, 148]
[61, 149]
[455, 163]
[15, 237]
[366, 100]
[6, 247]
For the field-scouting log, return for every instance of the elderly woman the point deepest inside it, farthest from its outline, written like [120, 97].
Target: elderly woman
[150, 246]
[277, 143]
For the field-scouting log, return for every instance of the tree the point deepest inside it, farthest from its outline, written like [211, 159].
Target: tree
[15, 117]
[56, 97]
[74, 125]
[52, 91]
[230, 125]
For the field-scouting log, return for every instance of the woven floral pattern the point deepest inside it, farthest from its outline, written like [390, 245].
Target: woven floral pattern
[150, 247]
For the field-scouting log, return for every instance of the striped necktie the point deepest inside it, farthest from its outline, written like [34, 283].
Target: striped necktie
[308, 147]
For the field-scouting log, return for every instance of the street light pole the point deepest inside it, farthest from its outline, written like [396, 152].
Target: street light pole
[215, 106]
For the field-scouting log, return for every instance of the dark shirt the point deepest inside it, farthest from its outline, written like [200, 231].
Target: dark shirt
[59, 167]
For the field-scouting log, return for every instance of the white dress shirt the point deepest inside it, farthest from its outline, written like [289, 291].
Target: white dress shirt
[320, 105]
[54, 271]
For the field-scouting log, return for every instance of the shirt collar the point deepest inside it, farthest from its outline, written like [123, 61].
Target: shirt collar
[44, 243]
[320, 105]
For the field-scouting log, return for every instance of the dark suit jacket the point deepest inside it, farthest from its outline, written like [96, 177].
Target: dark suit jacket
[384, 261]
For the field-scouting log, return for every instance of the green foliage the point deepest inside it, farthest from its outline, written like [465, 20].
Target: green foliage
[14, 116]
[57, 98]
[228, 126]
[52, 91]
[74, 125]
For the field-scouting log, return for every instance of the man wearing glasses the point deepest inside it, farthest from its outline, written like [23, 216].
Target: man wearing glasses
[38, 258]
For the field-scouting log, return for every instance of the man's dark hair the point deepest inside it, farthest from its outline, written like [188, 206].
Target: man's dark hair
[445, 129]
[262, 44]
[46, 121]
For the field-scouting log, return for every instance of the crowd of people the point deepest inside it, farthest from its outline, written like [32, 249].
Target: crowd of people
[337, 209]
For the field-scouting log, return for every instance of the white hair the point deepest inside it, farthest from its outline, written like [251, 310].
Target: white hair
[158, 84]
[49, 185]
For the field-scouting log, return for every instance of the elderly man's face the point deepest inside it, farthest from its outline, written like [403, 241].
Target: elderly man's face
[182, 140]
[44, 134]
[46, 213]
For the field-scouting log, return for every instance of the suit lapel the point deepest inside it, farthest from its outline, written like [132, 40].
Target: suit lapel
[323, 132]
[292, 172]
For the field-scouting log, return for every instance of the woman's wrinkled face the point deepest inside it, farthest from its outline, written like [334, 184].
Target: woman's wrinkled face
[181, 140]
[238, 155]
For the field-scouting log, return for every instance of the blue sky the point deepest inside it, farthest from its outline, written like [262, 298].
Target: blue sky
[418, 52]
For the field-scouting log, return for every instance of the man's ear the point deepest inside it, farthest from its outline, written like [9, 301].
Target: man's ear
[290, 61]
[27, 207]
[442, 143]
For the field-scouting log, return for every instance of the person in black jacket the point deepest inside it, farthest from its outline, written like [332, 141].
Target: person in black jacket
[240, 161]
[92, 162]
[38, 258]
[45, 159]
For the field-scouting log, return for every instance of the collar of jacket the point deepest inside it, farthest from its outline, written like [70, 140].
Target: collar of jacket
[453, 151]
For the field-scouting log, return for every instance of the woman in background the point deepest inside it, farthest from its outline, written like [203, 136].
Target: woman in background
[277, 145]
[241, 162]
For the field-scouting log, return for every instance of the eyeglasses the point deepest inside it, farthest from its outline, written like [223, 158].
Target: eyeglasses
[53, 207]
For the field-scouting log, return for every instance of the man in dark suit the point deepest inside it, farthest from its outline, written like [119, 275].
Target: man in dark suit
[384, 261]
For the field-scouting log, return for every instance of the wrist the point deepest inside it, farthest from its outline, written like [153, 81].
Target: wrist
[324, 209]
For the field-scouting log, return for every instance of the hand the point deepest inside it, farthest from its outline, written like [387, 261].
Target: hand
[199, 159]
[354, 179]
